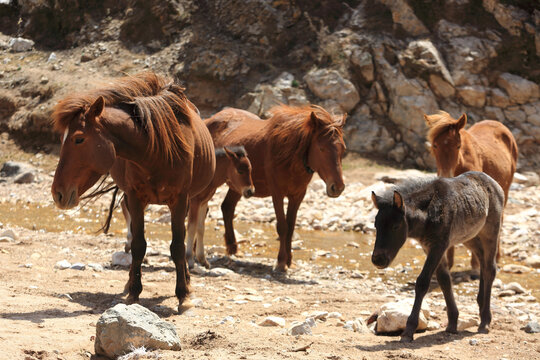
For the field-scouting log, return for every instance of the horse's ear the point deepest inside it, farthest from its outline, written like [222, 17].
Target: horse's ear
[96, 108]
[398, 200]
[462, 121]
[374, 199]
[343, 120]
[230, 154]
[314, 121]
[427, 119]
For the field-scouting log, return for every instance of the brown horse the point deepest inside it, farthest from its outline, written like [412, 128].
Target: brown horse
[232, 167]
[285, 151]
[487, 146]
[148, 135]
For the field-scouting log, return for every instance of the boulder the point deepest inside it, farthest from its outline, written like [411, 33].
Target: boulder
[403, 15]
[469, 54]
[329, 84]
[422, 56]
[519, 90]
[498, 98]
[509, 17]
[20, 44]
[440, 87]
[363, 61]
[123, 328]
[393, 316]
[474, 95]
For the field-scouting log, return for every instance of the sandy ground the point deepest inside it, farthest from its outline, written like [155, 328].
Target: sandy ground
[47, 313]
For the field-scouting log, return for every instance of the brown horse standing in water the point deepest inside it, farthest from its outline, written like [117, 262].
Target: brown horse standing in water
[150, 137]
[285, 151]
[487, 146]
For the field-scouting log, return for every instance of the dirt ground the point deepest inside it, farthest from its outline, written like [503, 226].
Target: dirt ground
[47, 313]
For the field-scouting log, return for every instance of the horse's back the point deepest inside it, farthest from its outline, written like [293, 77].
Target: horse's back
[232, 126]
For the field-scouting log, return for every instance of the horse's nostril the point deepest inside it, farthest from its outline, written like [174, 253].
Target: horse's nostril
[59, 196]
[333, 188]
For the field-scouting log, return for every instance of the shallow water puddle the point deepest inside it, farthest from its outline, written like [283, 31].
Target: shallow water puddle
[349, 250]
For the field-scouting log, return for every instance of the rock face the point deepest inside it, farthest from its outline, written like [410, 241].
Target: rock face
[125, 327]
[384, 62]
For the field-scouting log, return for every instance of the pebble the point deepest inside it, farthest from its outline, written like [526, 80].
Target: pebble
[197, 302]
[473, 342]
[516, 269]
[273, 321]
[78, 266]
[516, 287]
[465, 322]
[219, 271]
[533, 327]
[62, 265]
[226, 319]
[96, 267]
[121, 258]
[8, 236]
[300, 328]
[533, 261]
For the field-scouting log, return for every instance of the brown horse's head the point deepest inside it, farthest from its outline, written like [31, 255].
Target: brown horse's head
[444, 136]
[392, 229]
[85, 156]
[239, 171]
[326, 151]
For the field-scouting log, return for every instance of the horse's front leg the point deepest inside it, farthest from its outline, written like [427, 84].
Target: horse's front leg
[227, 208]
[129, 237]
[138, 247]
[282, 229]
[178, 250]
[292, 211]
[422, 285]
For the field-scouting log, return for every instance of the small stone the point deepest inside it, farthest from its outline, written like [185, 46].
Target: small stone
[197, 302]
[465, 322]
[506, 293]
[52, 57]
[121, 258]
[516, 287]
[473, 342]
[96, 267]
[360, 326]
[20, 44]
[299, 328]
[62, 265]
[533, 261]
[273, 321]
[78, 266]
[226, 319]
[433, 325]
[533, 327]
[334, 315]
[25, 178]
[219, 271]
[9, 234]
[516, 269]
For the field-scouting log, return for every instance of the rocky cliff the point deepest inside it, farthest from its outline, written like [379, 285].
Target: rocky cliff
[384, 62]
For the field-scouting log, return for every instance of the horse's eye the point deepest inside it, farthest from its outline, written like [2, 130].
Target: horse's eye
[240, 172]
[79, 140]
[459, 146]
[434, 146]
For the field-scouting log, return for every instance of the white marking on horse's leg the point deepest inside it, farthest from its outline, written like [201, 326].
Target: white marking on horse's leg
[200, 235]
[192, 226]
[129, 236]
[66, 132]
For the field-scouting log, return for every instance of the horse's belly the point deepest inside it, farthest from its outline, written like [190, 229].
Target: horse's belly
[467, 229]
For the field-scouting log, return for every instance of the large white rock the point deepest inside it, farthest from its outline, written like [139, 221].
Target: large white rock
[329, 84]
[125, 327]
[121, 258]
[393, 316]
[519, 90]
[19, 44]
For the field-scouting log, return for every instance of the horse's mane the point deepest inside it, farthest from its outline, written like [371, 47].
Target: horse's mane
[291, 133]
[438, 124]
[415, 190]
[160, 106]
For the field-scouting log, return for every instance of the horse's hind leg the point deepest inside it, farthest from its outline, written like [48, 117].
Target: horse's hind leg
[445, 282]
[227, 208]
[489, 240]
[129, 236]
[450, 256]
[199, 244]
[138, 248]
[192, 226]
[178, 250]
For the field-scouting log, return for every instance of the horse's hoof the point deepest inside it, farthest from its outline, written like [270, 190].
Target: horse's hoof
[483, 329]
[451, 329]
[132, 299]
[191, 263]
[280, 268]
[232, 249]
[406, 338]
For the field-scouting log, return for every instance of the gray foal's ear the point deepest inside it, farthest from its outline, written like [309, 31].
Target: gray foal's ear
[374, 199]
[398, 200]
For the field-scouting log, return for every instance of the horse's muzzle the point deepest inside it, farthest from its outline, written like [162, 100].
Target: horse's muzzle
[248, 192]
[66, 199]
[379, 259]
[334, 190]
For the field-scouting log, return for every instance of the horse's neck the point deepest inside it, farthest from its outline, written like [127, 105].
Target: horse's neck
[416, 220]
[130, 142]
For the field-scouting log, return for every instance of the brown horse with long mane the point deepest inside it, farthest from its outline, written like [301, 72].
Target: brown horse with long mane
[285, 151]
[149, 136]
[487, 146]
